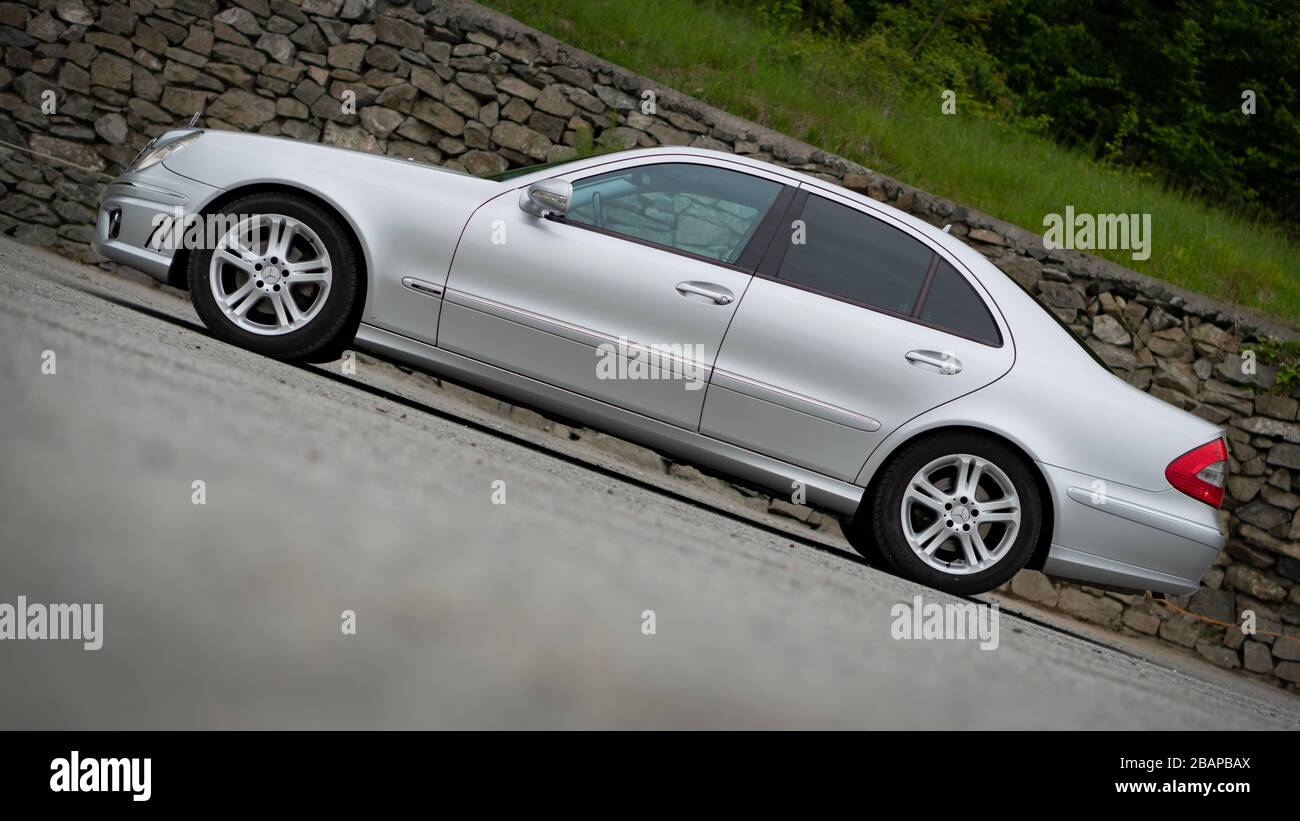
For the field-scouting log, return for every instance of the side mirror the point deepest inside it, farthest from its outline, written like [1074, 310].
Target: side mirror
[548, 196]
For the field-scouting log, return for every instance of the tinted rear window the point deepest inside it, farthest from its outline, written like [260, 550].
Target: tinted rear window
[849, 254]
[953, 304]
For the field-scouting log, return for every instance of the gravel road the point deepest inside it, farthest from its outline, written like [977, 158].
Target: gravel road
[323, 497]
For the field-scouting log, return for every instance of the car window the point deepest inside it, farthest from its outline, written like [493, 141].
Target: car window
[699, 209]
[952, 304]
[844, 252]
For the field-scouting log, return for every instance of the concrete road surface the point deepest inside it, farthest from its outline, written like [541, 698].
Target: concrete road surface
[321, 497]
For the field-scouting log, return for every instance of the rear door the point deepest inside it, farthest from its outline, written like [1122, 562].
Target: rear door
[852, 325]
[627, 298]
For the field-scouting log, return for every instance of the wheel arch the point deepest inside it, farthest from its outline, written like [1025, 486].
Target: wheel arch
[1039, 556]
[177, 275]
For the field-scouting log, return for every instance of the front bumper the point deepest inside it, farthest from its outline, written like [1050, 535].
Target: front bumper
[134, 206]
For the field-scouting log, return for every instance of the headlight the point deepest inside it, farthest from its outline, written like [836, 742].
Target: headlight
[154, 154]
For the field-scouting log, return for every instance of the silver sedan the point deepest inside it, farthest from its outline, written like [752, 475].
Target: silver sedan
[749, 319]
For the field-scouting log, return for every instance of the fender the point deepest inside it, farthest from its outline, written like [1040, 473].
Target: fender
[386, 201]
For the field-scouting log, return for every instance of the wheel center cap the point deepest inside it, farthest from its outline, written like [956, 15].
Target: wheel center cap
[271, 276]
[959, 514]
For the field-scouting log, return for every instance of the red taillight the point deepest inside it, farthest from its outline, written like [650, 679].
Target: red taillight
[1201, 473]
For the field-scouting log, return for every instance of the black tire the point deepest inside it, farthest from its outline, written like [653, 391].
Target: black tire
[887, 502]
[332, 328]
[862, 537]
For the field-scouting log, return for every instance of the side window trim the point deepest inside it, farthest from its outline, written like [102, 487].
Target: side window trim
[762, 235]
[775, 252]
[768, 228]
[925, 286]
[925, 292]
[770, 265]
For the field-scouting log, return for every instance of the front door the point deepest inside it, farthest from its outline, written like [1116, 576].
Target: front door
[626, 298]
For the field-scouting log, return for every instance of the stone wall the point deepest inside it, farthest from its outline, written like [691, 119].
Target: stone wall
[454, 83]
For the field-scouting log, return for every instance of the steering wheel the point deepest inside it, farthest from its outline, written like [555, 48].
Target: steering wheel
[597, 210]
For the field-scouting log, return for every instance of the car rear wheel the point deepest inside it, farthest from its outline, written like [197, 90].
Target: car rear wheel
[956, 511]
[281, 279]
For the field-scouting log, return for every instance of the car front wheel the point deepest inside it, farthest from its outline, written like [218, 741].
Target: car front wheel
[958, 512]
[281, 279]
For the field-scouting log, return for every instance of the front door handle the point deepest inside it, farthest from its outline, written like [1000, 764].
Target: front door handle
[717, 293]
[944, 362]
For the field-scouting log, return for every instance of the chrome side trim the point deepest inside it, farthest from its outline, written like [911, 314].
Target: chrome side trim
[733, 381]
[779, 476]
[1142, 515]
[153, 193]
[422, 287]
[794, 401]
[568, 330]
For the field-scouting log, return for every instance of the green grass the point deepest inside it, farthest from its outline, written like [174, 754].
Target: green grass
[848, 99]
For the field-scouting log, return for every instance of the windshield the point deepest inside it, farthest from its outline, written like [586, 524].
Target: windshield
[528, 169]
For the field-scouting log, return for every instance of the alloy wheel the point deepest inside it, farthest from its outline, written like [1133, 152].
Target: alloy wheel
[270, 274]
[961, 514]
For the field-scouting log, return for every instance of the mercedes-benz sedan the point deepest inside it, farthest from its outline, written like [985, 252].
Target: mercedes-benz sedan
[747, 318]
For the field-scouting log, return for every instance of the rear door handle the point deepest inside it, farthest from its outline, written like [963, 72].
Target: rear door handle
[717, 293]
[944, 362]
